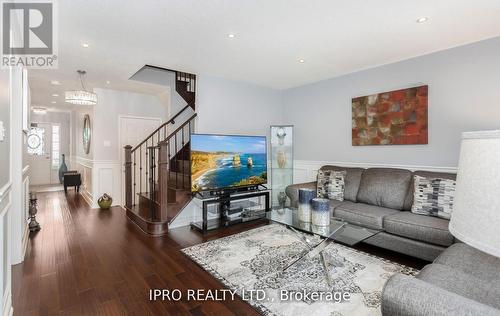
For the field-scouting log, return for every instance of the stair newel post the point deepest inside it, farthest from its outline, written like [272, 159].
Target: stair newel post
[163, 178]
[128, 176]
[151, 179]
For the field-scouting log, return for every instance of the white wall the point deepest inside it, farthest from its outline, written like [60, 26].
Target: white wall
[101, 169]
[464, 95]
[5, 197]
[229, 107]
[112, 104]
[18, 225]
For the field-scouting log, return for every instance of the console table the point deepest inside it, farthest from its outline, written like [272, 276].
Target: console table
[227, 203]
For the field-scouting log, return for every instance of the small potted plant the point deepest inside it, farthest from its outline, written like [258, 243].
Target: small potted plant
[105, 201]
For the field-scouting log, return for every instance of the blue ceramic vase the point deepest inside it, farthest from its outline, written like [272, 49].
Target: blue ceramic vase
[62, 169]
[304, 209]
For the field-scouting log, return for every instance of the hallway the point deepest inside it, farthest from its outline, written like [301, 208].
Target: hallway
[90, 262]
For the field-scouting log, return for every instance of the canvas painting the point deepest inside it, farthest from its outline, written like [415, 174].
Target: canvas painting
[391, 118]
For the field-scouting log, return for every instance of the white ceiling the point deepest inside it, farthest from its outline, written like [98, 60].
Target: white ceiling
[334, 37]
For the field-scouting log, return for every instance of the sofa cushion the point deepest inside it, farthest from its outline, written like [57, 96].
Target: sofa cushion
[466, 285]
[352, 179]
[333, 206]
[366, 215]
[433, 196]
[384, 187]
[469, 260]
[331, 184]
[426, 174]
[335, 203]
[433, 230]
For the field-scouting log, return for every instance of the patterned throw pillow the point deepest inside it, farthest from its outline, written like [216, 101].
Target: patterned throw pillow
[433, 197]
[331, 184]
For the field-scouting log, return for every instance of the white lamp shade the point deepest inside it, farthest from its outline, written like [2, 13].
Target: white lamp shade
[475, 219]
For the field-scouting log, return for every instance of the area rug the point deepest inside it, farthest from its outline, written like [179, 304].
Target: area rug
[253, 260]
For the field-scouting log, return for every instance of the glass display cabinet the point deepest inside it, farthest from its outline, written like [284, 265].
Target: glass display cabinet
[281, 163]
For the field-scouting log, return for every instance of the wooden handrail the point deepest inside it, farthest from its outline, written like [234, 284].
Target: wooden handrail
[171, 120]
[180, 127]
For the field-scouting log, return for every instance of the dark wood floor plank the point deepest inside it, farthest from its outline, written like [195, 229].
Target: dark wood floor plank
[90, 262]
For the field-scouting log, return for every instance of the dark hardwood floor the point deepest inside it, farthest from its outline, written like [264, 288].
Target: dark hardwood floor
[91, 262]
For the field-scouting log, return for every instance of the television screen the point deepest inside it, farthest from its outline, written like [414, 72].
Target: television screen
[225, 161]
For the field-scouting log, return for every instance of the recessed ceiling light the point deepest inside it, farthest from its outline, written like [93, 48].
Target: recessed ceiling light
[86, 45]
[55, 82]
[108, 82]
[55, 95]
[302, 61]
[231, 35]
[39, 110]
[422, 19]
[53, 102]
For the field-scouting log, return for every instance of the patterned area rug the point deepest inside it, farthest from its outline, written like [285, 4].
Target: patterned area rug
[253, 260]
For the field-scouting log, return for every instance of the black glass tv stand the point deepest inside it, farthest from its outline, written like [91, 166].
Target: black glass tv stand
[234, 208]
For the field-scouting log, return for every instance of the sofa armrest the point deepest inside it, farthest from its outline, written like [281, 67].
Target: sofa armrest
[293, 191]
[407, 296]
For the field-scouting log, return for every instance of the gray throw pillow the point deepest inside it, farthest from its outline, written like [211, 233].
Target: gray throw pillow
[433, 197]
[331, 184]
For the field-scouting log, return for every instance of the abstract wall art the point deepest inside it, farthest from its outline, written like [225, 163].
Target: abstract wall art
[391, 118]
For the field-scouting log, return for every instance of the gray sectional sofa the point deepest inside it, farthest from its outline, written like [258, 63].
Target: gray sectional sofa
[461, 281]
[381, 198]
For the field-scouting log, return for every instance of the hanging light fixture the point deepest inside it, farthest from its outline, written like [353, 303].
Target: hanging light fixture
[81, 97]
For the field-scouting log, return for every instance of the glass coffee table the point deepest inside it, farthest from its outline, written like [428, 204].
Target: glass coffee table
[339, 231]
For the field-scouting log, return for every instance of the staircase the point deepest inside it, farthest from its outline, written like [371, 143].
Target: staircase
[157, 170]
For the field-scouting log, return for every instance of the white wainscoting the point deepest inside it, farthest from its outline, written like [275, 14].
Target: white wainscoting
[85, 168]
[306, 170]
[107, 179]
[99, 177]
[26, 207]
[5, 268]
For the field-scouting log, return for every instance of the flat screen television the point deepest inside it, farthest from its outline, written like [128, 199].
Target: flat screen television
[227, 161]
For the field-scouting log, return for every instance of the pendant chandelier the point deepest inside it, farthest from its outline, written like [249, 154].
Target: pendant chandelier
[81, 97]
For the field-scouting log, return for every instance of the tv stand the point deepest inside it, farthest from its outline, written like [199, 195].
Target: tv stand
[229, 206]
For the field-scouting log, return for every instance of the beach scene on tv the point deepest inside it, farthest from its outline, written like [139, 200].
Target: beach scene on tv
[220, 161]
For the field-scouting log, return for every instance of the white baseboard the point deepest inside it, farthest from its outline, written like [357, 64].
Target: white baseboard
[87, 197]
[7, 303]
[25, 239]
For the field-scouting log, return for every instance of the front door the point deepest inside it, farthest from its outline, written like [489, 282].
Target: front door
[39, 144]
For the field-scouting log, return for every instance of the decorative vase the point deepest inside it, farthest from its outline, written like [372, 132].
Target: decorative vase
[320, 213]
[33, 225]
[62, 169]
[105, 201]
[282, 199]
[304, 209]
[281, 158]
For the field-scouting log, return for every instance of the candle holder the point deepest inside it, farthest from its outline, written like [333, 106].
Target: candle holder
[320, 213]
[304, 209]
[33, 226]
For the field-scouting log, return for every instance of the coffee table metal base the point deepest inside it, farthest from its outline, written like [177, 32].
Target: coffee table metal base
[314, 250]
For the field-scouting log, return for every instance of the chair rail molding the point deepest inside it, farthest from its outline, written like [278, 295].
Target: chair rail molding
[307, 170]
